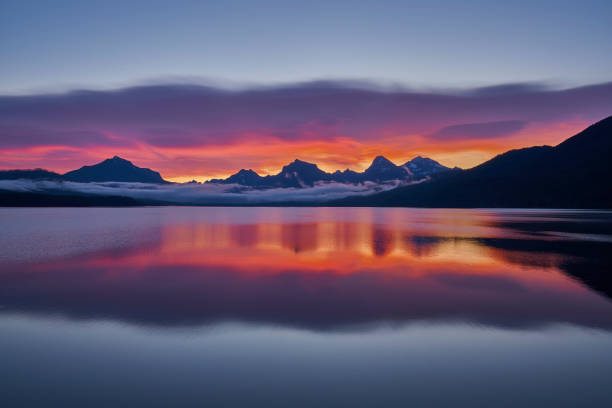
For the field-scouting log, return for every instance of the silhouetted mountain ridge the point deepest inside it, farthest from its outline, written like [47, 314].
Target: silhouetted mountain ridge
[299, 174]
[574, 174]
[30, 174]
[244, 177]
[115, 169]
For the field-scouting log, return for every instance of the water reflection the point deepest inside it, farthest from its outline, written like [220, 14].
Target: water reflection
[319, 269]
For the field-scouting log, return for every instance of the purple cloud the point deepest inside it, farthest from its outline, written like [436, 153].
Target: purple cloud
[195, 115]
[24, 135]
[483, 130]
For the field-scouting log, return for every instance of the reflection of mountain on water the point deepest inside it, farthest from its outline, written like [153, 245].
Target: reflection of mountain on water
[328, 275]
[170, 296]
[382, 241]
[587, 261]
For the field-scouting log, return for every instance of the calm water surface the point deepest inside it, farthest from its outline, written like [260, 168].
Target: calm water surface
[291, 307]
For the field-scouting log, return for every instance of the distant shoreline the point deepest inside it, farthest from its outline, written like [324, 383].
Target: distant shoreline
[9, 199]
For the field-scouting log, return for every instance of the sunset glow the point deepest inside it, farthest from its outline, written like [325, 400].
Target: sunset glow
[347, 203]
[201, 134]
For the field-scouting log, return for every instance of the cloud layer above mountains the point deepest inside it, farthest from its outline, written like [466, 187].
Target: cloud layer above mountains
[197, 130]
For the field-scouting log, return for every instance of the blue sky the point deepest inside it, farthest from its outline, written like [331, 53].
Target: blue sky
[57, 45]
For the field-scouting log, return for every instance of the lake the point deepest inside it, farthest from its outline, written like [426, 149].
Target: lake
[313, 307]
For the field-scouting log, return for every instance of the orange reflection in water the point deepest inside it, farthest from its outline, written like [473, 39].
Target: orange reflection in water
[342, 247]
[319, 268]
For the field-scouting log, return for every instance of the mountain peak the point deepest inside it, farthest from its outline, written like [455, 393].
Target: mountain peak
[420, 160]
[299, 164]
[116, 160]
[114, 169]
[379, 160]
[243, 177]
[383, 169]
[422, 167]
[299, 173]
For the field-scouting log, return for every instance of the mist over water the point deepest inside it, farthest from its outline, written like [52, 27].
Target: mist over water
[218, 194]
[305, 307]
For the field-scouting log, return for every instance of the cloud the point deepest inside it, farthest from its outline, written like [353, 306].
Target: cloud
[478, 130]
[510, 89]
[184, 115]
[25, 135]
[208, 193]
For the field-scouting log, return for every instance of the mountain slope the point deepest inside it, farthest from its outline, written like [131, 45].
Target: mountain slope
[34, 174]
[574, 174]
[115, 169]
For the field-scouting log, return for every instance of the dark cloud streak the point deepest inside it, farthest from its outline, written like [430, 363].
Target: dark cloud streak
[196, 115]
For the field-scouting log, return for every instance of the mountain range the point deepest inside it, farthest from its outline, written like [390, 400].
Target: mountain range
[574, 174]
[300, 174]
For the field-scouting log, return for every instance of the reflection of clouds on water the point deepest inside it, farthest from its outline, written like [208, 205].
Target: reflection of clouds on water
[176, 295]
[191, 267]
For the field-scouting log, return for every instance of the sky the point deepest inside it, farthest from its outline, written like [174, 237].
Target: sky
[198, 90]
